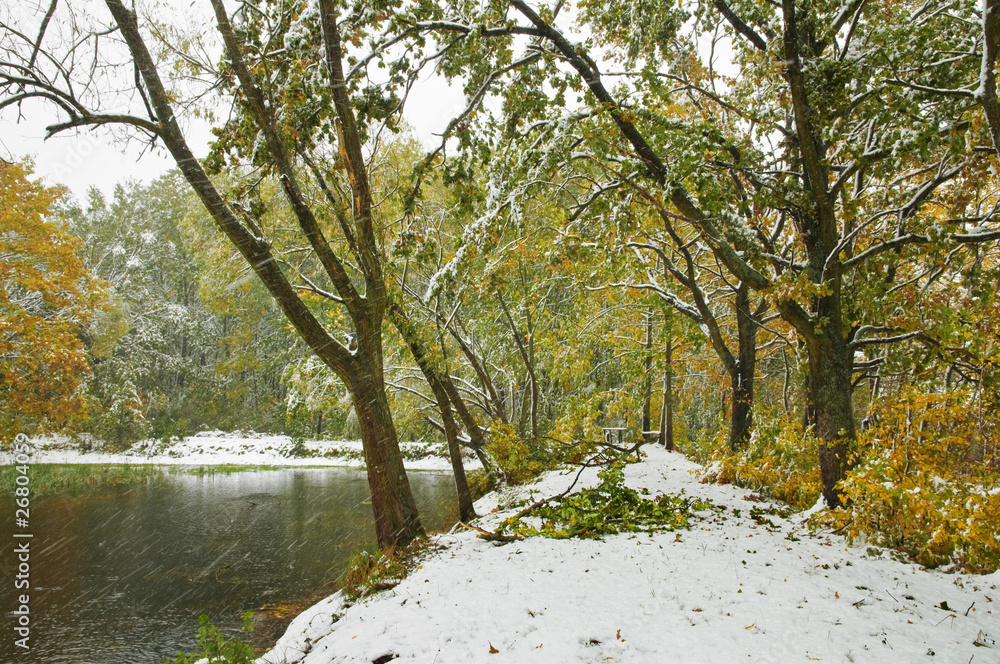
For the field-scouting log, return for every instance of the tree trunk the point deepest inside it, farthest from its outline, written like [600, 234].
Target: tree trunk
[525, 412]
[784, 384]
[435, 378]
[396, 520]
[647, 375]
[667, 410]
[822, 327]
[831, 408]
[466, 509]
[986, 93]
[477, 437]
[741, 419]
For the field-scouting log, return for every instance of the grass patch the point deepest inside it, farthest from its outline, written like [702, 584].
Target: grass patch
[369, 573]
[79, 479]
[230, 468]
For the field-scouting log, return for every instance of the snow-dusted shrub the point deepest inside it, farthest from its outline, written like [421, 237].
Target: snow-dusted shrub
[927, 481]
[480, 483]
[517, 461]
[780, 460]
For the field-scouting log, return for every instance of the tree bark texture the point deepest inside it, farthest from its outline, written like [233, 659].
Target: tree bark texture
[396, 520]
[986, 93]
[667, 409]
[744, 371]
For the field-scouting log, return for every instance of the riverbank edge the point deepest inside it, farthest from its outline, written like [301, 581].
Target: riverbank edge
[237, 451]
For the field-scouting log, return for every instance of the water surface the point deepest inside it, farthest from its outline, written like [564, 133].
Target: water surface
[123, 577]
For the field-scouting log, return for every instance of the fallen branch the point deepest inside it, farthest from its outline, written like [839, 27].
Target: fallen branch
[487, 535]
[598, 459]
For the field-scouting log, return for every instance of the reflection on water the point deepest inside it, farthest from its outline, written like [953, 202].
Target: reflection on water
[123, 578]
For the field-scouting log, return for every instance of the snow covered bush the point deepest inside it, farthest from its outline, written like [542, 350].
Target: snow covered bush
[780, 460]
[927, 481]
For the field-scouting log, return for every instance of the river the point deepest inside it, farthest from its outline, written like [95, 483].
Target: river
[122, 577]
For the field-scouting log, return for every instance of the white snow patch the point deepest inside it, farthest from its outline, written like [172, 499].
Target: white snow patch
[212, 448]
[731, 589]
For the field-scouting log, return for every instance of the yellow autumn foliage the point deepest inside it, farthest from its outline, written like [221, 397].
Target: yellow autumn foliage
[516, 461]
[46, 299]
[780, 461]
[927, 482]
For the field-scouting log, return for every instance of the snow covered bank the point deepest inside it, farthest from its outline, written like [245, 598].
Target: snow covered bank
[744, 584]
[245, 449]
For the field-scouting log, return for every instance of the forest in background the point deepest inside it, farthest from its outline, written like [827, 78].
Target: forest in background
[788, 267]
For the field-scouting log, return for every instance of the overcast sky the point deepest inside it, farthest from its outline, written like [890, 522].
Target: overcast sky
[101, 157]
[94, 158]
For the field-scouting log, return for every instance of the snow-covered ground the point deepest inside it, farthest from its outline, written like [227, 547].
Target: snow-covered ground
[734, 588]
[243, 449]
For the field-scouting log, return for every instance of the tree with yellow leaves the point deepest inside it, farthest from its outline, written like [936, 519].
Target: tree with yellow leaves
[46, 297]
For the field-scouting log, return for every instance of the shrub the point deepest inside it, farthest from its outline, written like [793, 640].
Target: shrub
[927, 483]
[298, 448]
[781, 460]
[480, 483]
[214, 648]
[515, 459]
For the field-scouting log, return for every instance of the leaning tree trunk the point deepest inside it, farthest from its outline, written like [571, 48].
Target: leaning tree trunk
[466, 508]
[396, 519]
[477, 438]
[361, 370]
[435, 379]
